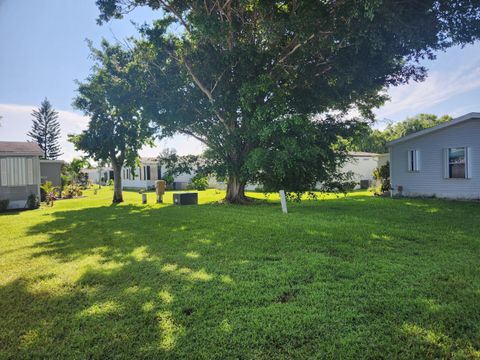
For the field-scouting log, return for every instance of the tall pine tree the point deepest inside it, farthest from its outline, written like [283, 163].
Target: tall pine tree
[46, 130]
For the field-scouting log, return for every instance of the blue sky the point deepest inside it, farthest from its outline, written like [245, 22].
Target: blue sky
[43, 50]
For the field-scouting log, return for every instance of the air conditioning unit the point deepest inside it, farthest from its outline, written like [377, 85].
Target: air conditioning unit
[185, 199]
[364, 184]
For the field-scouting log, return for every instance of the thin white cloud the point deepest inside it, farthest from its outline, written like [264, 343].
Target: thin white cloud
[22, 113]
[17, 121]
[437, 88]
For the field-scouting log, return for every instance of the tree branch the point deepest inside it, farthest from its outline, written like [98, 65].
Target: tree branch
[204, 89]
[169, 8]
[295, 48]
[220, 77]
[189, 133]
[197, 81]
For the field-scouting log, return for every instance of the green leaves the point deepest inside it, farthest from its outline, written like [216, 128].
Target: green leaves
[295, 153]
[232, 70]
[111, 97]
[46, 130]
[373, 140]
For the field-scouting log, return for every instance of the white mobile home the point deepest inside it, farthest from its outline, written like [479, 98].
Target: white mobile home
[362, 165]
[142, 177]
[442, 161]
[19, 172]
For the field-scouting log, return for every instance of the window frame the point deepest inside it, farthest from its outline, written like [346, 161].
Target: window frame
[413, 160]
[465, 163]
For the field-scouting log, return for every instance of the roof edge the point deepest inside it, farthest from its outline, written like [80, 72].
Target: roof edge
[20, 148]
[460, 119]
[52, 161]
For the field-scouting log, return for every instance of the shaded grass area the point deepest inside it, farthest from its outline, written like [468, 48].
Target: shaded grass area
[355, 277]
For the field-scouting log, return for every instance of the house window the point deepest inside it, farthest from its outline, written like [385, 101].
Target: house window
[126, 173]
[457, 163]
[413, 160]
[146, 173]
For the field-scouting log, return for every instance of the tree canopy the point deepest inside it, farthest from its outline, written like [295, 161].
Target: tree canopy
[375, 140]
[46, 130]
[236, 75]
[117, 129]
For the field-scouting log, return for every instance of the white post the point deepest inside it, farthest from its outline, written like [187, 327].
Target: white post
[144, 198]
[283, 200]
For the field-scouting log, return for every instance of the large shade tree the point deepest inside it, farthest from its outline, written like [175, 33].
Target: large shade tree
[117, 130]
[247, 78]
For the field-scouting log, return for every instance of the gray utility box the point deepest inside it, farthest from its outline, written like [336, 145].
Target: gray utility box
[364, 184]
[185, 199]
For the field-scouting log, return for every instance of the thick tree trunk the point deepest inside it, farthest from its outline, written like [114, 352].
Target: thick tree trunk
[236, 191]
[117, 183]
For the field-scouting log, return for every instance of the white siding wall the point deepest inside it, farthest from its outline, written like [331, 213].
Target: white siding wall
[383, 159]
[135, 183]
[138, 184]
[94, 175]
[361, 166]
[430, 181]
[182, 178]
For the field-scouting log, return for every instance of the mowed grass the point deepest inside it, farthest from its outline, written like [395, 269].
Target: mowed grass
[356, 277]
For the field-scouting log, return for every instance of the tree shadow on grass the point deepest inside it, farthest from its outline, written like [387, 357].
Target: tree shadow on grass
[11, 212]
[332, 279]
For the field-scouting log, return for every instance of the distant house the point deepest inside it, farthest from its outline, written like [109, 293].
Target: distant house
[19, 172]
[362, 165]
[142, 177]
[442, 161]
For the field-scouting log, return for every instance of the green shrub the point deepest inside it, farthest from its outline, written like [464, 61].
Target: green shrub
[50, 192]
[199, 182]
[382, 174]
[83, 180]
[71, 191]
[33, 202]
[65, 180]
[4, 205]
[169, 179]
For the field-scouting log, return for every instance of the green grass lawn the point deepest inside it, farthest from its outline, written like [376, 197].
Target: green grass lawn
[356, 277]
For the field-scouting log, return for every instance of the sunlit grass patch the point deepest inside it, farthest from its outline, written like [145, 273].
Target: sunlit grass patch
[101, 309]
[338, 277]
